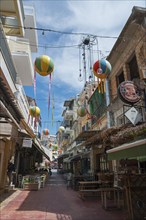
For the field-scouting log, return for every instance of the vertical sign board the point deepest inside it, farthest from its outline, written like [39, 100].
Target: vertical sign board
[27, 142]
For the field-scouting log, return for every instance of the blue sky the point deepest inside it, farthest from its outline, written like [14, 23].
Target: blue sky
[105, 19]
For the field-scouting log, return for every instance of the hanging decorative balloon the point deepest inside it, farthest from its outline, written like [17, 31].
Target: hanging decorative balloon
[81, 111]
[44, 66]
[61, 129]
[50, 145]
[34, 112]
[55, 147]
[45, 131]
[101, 69]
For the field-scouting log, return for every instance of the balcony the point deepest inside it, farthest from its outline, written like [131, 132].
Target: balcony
[6, 64]
[21, 56]
[68, 115]
[12, 16]
[68, 130]
[22, 101]
[31, 34]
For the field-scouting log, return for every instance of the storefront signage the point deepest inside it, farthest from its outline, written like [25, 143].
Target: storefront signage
[133, 115]
[27, 142]
[129, 93]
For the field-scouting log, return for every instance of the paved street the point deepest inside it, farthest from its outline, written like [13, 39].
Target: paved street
[54, 202]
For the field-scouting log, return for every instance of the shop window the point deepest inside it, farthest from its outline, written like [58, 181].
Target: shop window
[104, 165]
[133, 67]
[97, 167]
[86, 165]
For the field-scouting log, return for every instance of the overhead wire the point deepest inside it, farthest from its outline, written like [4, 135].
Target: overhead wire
[43, 30]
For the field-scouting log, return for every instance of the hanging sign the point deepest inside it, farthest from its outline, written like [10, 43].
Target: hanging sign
[133, 115]
[27, 142]
[129, 93]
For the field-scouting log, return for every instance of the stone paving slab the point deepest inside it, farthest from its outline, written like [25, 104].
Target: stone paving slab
[55, 202]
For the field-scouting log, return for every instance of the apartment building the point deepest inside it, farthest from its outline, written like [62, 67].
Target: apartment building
[109, 123]
[17, 135]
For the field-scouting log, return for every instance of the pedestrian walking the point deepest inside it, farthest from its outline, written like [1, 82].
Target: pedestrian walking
[10, 170]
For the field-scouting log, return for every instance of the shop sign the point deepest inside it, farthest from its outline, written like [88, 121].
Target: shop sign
[27, 142]
[133, 115]
[129, 93]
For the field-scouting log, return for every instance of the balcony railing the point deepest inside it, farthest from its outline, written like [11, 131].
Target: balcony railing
[7, 54]
[21, 55]
[98, 113]
[22, 101]
[69, 114]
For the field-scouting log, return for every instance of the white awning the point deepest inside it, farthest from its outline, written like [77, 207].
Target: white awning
[134, 149]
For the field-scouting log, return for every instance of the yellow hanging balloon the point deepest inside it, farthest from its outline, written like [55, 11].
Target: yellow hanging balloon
[44, 65]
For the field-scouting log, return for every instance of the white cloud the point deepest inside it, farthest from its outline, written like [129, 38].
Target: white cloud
[102, 18]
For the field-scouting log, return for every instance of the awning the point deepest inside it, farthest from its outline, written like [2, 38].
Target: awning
[75, 157]
[84, 135]
[46, 152]
[86, 154]
[24, 133]
[63, 155]
[27, 128]
[67, 160]
[134, 149]
[41, 148]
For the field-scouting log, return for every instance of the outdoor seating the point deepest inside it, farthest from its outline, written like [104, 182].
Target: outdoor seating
[88, 188]
[111, 194]
[110, 191]
[78, 178]
[43, 180]
[20, 177]
[69, 180]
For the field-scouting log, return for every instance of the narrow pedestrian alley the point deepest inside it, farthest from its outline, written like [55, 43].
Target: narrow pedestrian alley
[55, 202]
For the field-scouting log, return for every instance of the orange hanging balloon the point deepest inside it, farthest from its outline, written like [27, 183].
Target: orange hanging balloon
[45, 131]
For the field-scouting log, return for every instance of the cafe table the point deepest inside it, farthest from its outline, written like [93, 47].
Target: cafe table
[88, 188]
[105, 192]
